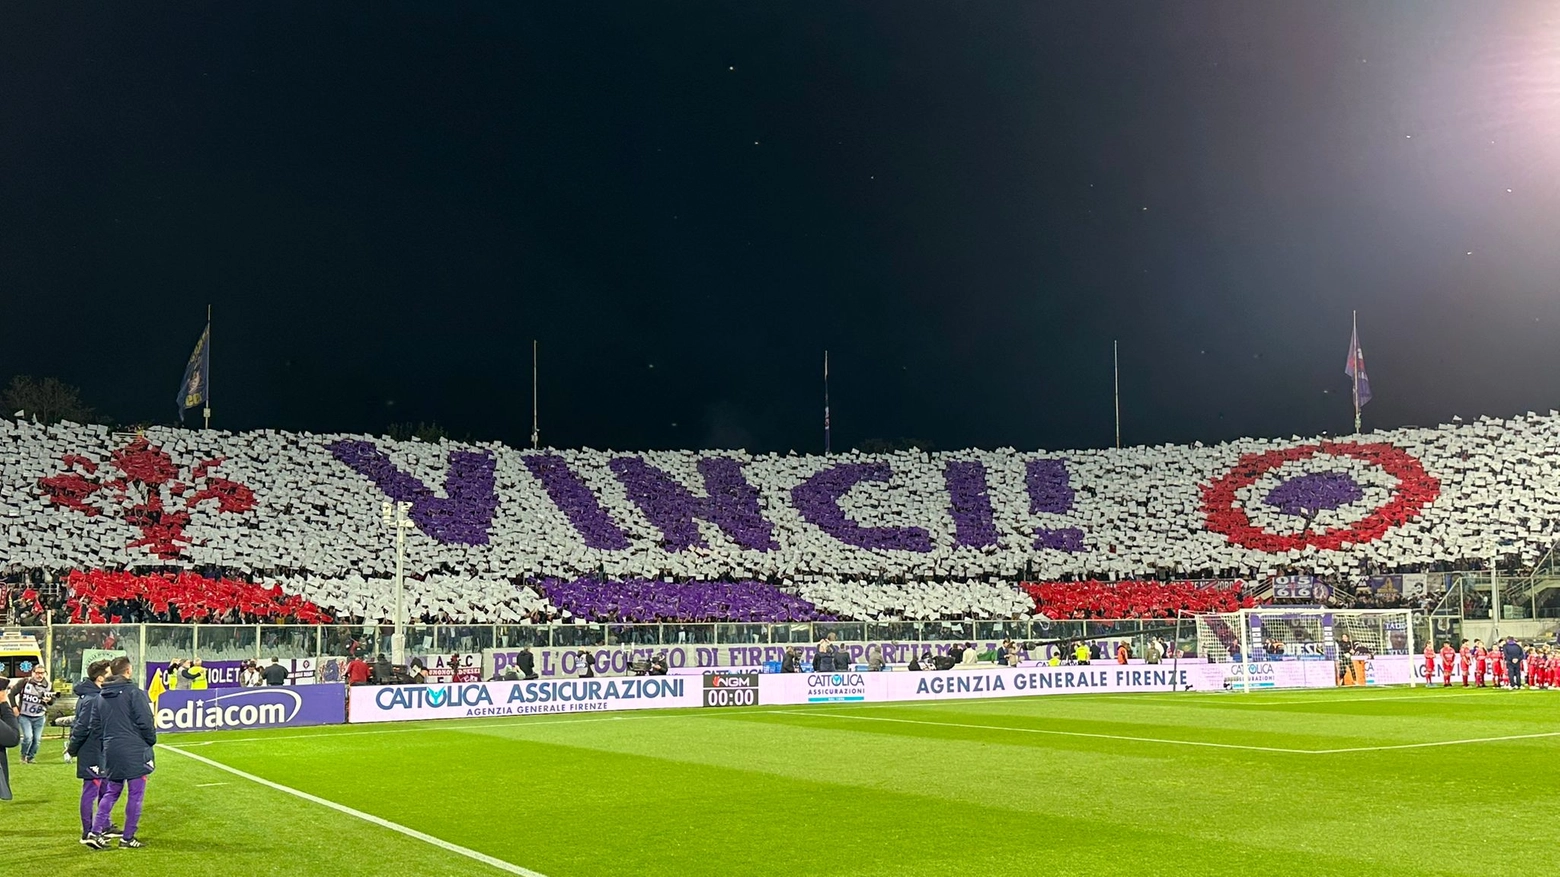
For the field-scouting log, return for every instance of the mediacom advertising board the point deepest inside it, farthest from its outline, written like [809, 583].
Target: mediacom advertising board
[227, 709]
[401, 703]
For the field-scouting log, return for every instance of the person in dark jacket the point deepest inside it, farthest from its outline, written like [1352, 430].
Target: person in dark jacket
[10, 735]
[122, 714]
[275, 674]
[1512, 652]
[87, 748]
[527, 663]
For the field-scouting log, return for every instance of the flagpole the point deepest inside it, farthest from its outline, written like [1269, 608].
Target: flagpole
[826, 403]
[536, 434]
[1115, 359]
[1355, 367]
[207, 410]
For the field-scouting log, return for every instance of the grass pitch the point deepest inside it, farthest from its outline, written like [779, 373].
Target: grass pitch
[1348, 782]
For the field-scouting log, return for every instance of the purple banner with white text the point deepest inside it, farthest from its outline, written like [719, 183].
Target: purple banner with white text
[277, 706]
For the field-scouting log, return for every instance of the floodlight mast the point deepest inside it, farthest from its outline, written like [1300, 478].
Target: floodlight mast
[395, 517]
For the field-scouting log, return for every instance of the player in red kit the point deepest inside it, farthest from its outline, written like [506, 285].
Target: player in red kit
[1466, 653]
[1499, 667]
[1480, 662]
[1429, 663]
[1448, 660]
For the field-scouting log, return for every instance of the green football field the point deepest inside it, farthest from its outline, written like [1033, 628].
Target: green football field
[1349, 782]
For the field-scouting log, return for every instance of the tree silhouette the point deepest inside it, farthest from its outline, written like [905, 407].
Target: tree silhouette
[49, 400]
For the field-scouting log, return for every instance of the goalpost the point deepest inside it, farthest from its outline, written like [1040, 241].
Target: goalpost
[1278, 647]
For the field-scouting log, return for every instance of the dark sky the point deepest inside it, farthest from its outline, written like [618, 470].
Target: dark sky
[688, 202]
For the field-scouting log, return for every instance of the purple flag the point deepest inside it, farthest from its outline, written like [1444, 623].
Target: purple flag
[1355, 369]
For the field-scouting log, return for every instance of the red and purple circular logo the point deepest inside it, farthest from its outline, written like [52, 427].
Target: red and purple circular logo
[1318, 495]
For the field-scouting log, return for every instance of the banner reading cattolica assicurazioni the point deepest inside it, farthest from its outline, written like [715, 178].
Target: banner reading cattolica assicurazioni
[401, 703]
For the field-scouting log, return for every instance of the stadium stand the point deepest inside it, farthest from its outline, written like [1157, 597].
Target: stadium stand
[907, 535]
[99, 597]
[1133, 599]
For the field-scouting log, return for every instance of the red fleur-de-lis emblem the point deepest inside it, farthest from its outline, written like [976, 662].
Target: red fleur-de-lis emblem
[141, 485]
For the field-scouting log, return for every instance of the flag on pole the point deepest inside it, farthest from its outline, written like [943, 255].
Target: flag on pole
[826, 402]
[192, 392]
[1355, 369]
[157, 686]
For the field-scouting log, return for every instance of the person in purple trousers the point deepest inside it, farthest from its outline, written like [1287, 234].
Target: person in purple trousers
[122, 714]
[87, 748]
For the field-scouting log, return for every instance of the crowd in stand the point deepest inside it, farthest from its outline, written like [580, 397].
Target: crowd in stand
[1133, 599]
[99, 597]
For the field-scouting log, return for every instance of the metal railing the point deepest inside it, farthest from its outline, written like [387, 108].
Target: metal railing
[64, 646]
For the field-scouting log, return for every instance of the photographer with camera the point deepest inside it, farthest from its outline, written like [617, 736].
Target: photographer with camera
[31, 697]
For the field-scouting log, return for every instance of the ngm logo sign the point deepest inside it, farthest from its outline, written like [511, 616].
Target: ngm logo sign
[731, 680]
[829, 687]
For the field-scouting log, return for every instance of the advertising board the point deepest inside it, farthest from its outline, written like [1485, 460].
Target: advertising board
[1101, 678]
[227, 709]
[401, 703]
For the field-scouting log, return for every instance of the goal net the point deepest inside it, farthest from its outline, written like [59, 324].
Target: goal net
[1275, 647]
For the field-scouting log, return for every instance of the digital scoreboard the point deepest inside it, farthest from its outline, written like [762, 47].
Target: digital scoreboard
[731, 689]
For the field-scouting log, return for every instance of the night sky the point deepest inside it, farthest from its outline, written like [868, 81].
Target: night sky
[687, 203]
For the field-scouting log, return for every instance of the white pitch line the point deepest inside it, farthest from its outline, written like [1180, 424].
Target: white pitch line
[208, 785]
[1439, 743]
[442, 844]
[1051, 732]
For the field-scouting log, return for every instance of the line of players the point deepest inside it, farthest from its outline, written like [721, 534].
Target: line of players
[1538, 666]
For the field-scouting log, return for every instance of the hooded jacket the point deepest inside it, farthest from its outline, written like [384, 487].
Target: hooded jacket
[85, 746]
[122, 714]
[10, 735]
